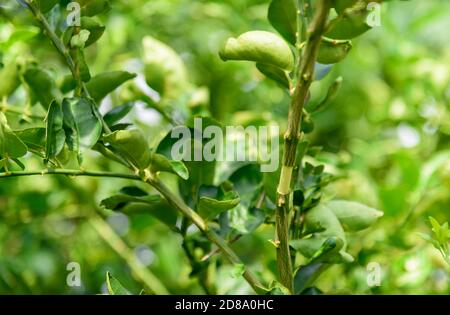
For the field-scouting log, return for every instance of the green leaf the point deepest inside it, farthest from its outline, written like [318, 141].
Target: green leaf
[117, 202]
[278, 75]
[117, 113]
[283, 17]
[160, 163]
[331, 95]
[436, 227]
[34, 138]
[132, 145]
[441, 232]
[306, 275]
[331, 246]
[209, 208]
[321, 224]
[154, 205]
[67, 84]
[42, 85]
[354, 216]
[91, 32]
[103, 84]
[46, 5]
[94, 28]
[259, 46]
[55, 136]
[352, 24]
[114, 286]
[200, 172]
[333, 51]
[82, 126]
[10, 145]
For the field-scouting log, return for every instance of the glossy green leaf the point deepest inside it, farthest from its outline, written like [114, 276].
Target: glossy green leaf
[259, 46]
[354, 216]
[117, 202]
[95, 29]
[321, 224]
[131, 203]
[90, 27]
[103, 84]
[352, 24]
[67, 84]
[209, 208]
[306, 275]
[132, 145]
[114, 286]
[282, 15]
[10, 145]
[329, 97]
[333, 51]
[55, 136]
[117, 113]
[82, 126]
[278, 75]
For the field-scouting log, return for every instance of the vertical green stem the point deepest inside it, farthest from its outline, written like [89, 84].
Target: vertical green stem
[305, 77]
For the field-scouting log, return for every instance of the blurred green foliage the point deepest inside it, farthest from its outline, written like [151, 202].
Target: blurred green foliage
[386, 136]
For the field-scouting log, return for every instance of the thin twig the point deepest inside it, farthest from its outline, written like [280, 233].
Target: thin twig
[68, 173]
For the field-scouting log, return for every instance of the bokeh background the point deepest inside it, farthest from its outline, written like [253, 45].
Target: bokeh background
[387, 136]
